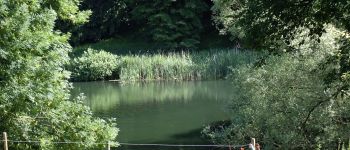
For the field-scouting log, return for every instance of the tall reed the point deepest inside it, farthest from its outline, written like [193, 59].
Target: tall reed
[157, 67]
[217, 64]
[213, 64]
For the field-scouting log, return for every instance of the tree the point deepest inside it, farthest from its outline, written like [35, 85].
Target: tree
[171, 23]
[274, 24]
[286, 103]
[109, 18]
[268, 23]
[34, 90]
[298, 99]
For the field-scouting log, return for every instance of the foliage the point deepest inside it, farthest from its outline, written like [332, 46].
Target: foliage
[287, 102]
[34, 90]
[298, 100]
[93, 65]
[107, 18]
[273, 24]
[269, 23]
[175, 24]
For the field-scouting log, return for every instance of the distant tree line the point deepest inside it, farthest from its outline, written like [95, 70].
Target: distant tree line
[175, 24]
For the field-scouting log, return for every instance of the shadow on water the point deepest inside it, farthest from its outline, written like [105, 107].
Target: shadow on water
[192, 137]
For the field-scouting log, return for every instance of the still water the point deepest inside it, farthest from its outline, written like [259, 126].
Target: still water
[159, 112]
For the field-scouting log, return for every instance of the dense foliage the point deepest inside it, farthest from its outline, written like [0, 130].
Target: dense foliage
[34, 90]
[93, 65]
[297, 98]
[293, 100]
[286, 102]
[176, 24]
[108, 19]
[269, 23]
[171, 24]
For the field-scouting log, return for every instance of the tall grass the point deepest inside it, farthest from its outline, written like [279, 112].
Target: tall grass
[157, 67]
[217, 64]
[213, 64]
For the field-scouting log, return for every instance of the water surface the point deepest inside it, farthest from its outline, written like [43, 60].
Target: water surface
[159, 112]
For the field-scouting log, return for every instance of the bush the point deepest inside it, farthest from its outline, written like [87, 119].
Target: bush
[93, 65]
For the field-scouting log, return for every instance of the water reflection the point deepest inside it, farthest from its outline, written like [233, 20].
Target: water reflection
[159, 112]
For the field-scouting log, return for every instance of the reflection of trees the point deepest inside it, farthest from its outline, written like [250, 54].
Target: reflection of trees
[102, 96]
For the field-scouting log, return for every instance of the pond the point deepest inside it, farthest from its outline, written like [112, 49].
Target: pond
[159, 112]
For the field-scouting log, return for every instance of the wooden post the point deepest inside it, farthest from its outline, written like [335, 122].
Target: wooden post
[253, 142]
[108, 146]
[4, 134]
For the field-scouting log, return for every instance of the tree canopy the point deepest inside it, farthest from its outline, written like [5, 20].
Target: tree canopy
[171, 24]
[176, 24]
[266, 23]
[34, 90]
[298, 97]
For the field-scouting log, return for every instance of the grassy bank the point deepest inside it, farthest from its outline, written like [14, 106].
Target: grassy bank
[96, 65]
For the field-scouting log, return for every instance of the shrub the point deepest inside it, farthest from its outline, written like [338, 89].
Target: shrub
[93, 65]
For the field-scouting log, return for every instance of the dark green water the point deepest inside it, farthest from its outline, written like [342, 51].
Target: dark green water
[159, 112]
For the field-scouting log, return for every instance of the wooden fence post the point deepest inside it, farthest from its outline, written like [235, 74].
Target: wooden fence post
[4, 134]
[108, 146]
[253, 142]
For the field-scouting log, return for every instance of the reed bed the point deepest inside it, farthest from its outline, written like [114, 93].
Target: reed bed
[157, 67]
[217, 64]
[183, 66]
[214, 64]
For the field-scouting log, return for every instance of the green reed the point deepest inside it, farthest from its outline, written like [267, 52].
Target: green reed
[182, 66]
